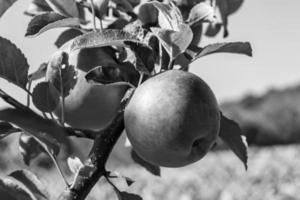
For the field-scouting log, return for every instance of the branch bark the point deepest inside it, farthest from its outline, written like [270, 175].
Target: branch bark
[94, 167]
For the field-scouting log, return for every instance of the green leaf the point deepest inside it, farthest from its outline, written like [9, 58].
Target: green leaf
[66, 36]
[169, 16]
[231, 47]
[45, 97]
[11, 189]
[6, 129]
[48, 21]
[231, 134]
[37, 7]
[66, 8]
[39, 73]
[29, 147]
[175, 42]
[4, 5]
[155, 170]
[108, 37]
[128, 180]
[13, 64]
[201, 12]
[32, 182]
[128, 196]
[123, 6]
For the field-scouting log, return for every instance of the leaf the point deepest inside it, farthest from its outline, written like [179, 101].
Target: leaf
[123, 6]
[128, 196]
[201, 12]
[45, 97]
[62, 75]
[29, 147]
[234, 5]
[43, 129]
[6, 129]
[74, 164]
[13, 64]
[37, 7]
[66, 36]
[101, 8]
[105, 75]
[128, 180]
[4, 5]
[169, 16]
[66, 8]
[39, 73]
[108, 37]
[14, 190]
[155, 170]
[232, 47]
[32, 182]
[231, 134]
[48, 21]
[175, 42]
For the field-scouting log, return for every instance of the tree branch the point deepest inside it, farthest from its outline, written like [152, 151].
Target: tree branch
[94, 167]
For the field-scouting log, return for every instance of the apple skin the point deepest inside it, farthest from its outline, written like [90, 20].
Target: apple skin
[89, 106]
[172, 119]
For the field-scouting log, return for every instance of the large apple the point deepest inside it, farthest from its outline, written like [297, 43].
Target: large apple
[87, 105]
[172, 119]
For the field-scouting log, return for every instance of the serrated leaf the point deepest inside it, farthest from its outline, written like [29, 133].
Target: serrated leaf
[45, 97]
[4, 5]
[231, 47]
[201, 12]
[6, 129]
[13, 64]
[108, 37]
[67, 8]
[14, 190]
[105, 75]
[62, 75]
[74, 164]
[169, 16]
[231, 134]
[32, 182]
[174, 42]
[48, 21]
[39, 73]
[66, 36]
[29, 148]
[155, 170]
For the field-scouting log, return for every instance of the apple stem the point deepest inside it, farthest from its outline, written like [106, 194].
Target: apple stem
[94, 15]
[141, 78]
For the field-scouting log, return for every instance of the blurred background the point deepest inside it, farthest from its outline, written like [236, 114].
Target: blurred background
[262, 93]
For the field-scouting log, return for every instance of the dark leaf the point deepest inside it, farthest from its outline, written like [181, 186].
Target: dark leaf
[108, 37]
[39, 73]
[175, 42]
[66, 8]
[128, 180]
[231, 134]
[63, 76]
[6, 129]
[201, 12]
[123, 6]
[14, 190]
[155, 170]
[37, 7]
[32, 182]
[48, 21]
[101, 8]
[232, 47]
[4, 5]
[128, 196]
[66, 36]
[13, 64]
[29, 148]
[45, 97]
[105, 75]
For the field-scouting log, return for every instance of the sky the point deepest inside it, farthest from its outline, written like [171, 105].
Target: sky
[271, 26]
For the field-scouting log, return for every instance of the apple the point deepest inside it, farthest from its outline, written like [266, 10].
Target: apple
[172, 119]
[87, 105]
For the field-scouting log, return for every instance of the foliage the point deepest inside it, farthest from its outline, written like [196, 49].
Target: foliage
[138, 45]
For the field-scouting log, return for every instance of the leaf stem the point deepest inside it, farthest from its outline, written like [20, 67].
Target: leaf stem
[94, 15]
[62, 121]
[28, 94]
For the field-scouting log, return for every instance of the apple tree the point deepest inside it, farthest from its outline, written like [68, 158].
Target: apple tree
[119, 65]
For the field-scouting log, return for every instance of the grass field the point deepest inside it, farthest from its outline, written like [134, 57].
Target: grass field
[273, 174]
